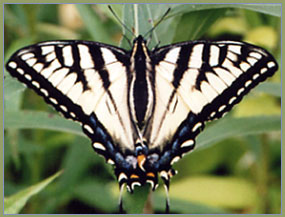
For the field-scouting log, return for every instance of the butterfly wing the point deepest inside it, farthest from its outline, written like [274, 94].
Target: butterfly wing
[197, 82]
[81, 80]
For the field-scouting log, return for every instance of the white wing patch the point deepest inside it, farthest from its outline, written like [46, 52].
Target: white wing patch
[47, 49]
[85, 57]
[255, 55]
[86, 101]
[50, 57]
[214, 55]
[166, 118]
[75, 92]
[251, 60]
[116, 70]
[225, 75]
[188, 93]
[58, 76]
[38, 67]
[195, 60]
[244, 66]
[46, 72]
[108, 56]
[216, 82]
[172, 55]
[27, 56]
[67, 83]
[31, 61]
[209, 92]
[197, 102]
[67, 55]
[235, 48]
[112, 109]
[166, 70]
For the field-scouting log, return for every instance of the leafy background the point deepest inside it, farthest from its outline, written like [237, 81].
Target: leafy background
[50, 166]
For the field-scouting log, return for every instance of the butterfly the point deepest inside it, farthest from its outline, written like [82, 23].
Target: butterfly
[142, 109]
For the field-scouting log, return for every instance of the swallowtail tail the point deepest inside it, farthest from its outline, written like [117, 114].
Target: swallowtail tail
[142, 109]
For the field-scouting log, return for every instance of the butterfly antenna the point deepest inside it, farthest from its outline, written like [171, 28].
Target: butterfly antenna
[120, 21]
[128, 40]
[156, 46]
[162, 18]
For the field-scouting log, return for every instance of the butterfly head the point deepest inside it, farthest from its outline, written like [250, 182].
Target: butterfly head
[140, 40]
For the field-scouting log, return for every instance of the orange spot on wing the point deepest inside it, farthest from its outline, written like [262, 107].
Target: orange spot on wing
[150, 174]
[134, 176]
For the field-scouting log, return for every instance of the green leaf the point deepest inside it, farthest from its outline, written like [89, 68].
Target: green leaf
[179, 206]
[56, 31]
[136, 18]
[129, 21]
[93, 24]
[75, 162]
[141, 18]
[21, 19]
[117, 8]
[253, 18]
[228, 25]
[96, 194]
[223, 192]
[255, 106]
[40, 120]
[134, 203]
[232, 127]
[13, 204]
[271, 9]
[13, 93]
[271, 88]
[162, 34]
[197, 22]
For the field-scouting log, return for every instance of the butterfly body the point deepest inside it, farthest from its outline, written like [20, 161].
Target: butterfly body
[142, 109]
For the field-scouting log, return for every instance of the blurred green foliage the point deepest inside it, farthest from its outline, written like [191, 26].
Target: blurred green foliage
[236, 166]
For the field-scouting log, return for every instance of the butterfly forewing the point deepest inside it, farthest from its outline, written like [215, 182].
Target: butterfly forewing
[79, 78]
[204, 79]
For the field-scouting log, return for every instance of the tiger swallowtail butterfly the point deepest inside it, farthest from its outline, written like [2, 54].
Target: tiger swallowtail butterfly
[142, 109]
